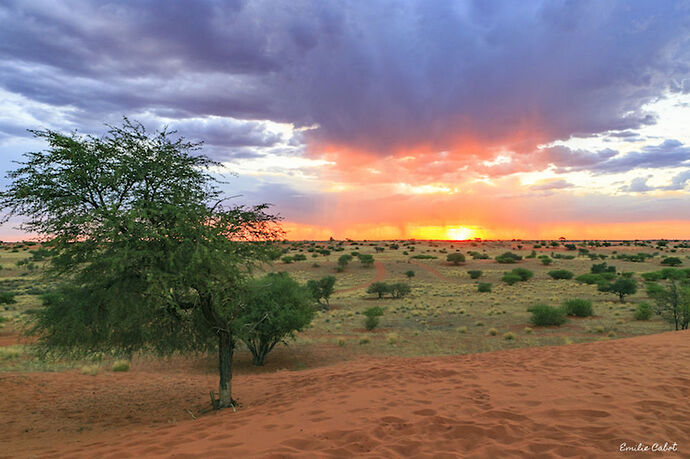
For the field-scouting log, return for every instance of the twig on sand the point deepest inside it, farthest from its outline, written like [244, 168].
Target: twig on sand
[190, 413]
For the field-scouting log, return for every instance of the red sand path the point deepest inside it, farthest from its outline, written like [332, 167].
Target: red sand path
[581, 400]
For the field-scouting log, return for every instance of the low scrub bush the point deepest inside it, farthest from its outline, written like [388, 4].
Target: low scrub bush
[508, 258]
[511, 278]
[474, 273]
[484, 287]
[372, 315]
[455, 258]
[7, 298]
[120, 365]
[400, 289]
[578, 308]
[643, 311]
[589, 278]
[509, 336]
[544, 315]
[561, 274]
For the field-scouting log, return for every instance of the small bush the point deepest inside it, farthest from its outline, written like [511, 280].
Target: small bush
[455, 258]
[90, 370]
[7, 298]
[589, 279]
[672, 261]
[509, 336]
[652, 276]
[561, 274]
[372, 317]
[409, 274]
[578, 308]
[508, 257]
[120, 365]
[525, 274]
[493, 331]
[545, 260]
[379, 288]
[400, 290]
[371, 322]
[287, 260]
[511, 278]
[484, 287]
[461, 330]
[528, 330]
[341, 342]
[544, 315]
[392, 338]
[643, 311]
[611, 334]
[475, 273]
[364, 341]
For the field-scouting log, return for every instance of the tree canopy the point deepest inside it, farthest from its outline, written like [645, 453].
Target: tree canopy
[147, 254]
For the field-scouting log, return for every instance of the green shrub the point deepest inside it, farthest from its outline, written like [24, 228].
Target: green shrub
[7, 298]
[589, 278]
[461, 330]
[366, 260]
[455, 258]
[493, 331]
[508, 258]
[578, 307]
[561, 274]
[544, 315]
[379, 288]
[672, 261]
[525, 274]
[287, 260]
[602, 268]
[475, 273]
[511, 278]
[652, 276]
[409, 274]
[643, 311]
[424, 257]
[528, 330]
[371, 322]
[484, 287]
[400, 289]
[120, 365]
[372, 315]
[509, 336]
[545, 260]
[277, 306]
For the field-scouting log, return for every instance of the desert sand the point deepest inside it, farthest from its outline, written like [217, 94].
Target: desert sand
[579, 400]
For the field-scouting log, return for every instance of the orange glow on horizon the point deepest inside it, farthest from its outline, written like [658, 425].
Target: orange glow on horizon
[570, 230]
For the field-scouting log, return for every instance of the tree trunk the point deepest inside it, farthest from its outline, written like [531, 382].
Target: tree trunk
[621, 295]
[225, 353]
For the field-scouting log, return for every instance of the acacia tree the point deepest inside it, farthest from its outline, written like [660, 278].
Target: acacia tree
[145, 253]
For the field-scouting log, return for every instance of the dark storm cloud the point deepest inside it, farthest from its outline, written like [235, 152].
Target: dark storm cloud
[373, 75]
[669, 153]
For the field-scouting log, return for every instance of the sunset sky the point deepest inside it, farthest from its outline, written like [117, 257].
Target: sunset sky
[383, 119]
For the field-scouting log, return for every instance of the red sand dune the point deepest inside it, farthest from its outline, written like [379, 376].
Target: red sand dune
[580, 400]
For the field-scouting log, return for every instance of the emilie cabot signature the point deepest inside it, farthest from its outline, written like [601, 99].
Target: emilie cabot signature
[654, 447]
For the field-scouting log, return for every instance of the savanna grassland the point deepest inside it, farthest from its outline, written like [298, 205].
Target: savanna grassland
[443, 314]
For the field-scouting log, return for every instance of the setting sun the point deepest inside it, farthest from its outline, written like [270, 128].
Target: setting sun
[459, 233]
